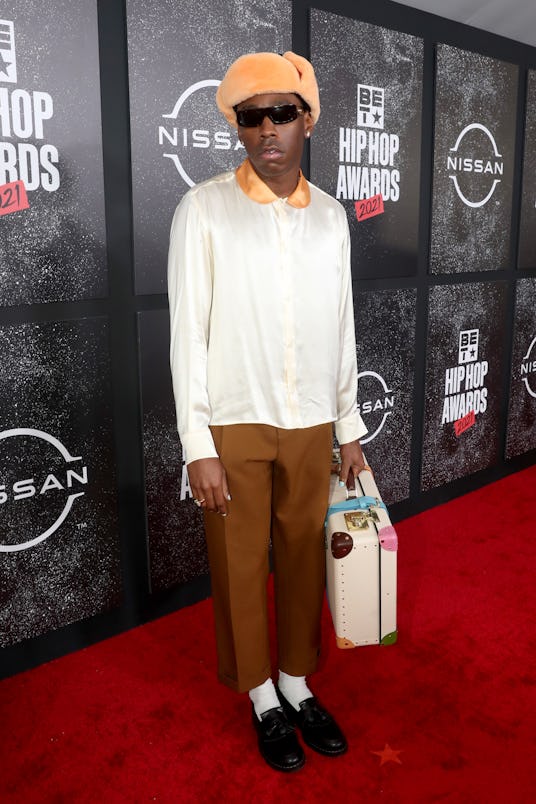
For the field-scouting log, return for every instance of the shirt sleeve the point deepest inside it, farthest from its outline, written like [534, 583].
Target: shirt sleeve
[190, 297]
[349, 425]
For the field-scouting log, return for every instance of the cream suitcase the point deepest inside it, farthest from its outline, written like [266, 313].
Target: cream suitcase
[361, 553]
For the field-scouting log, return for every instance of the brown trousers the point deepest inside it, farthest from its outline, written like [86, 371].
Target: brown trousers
[279, 483]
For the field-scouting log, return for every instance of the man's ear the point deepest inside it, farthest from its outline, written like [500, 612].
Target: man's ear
[308, 124]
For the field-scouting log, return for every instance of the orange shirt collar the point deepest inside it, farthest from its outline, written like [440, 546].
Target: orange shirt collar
[258, 191]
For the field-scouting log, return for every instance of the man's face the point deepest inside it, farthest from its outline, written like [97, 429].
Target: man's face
[275, 150]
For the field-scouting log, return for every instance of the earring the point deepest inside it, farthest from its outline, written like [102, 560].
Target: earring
[307, 134]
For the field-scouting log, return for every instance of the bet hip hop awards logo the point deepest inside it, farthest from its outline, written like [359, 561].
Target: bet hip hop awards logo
[465, 394]
[368, 155]
[23, 116]
[39, 485]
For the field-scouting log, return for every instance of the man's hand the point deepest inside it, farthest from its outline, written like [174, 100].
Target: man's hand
[352, 462]
[208, 483]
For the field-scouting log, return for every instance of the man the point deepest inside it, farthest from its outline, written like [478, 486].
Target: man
[263, 362]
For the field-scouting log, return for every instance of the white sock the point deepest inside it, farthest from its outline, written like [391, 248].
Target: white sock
[264, 697]
[294, 689]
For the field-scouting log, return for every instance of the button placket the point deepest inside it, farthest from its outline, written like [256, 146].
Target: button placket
[288, 314]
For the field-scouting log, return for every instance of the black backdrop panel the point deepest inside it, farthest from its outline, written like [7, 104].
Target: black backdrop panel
[475, 121]
[177, 54]
[385, 332]
[463, 373]
[50, 137]
[522, 410]
[59, 548]
[527, 232]
[368, 137]
[177, 548]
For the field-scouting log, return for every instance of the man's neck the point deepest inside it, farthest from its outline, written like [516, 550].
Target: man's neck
[257, 190]
[282, 186]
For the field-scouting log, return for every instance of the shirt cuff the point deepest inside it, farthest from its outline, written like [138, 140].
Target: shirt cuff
[350, 429]
[197, 445]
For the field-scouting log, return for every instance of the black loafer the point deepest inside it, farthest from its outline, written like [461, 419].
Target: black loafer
[318, 728]
[278, 743]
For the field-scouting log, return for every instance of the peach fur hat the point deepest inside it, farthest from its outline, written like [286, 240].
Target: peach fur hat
[261, 73]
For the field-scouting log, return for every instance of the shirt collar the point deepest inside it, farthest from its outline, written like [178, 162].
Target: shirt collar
[254, 187]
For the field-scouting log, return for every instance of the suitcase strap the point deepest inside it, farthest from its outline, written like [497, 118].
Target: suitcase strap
[356, 503]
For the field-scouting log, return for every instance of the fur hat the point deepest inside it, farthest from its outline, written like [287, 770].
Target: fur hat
[262, 73]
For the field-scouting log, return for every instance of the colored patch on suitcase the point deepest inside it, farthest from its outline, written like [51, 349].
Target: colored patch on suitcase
[341, 544]
[355, 503]
[359, 520]
[389, 639]
[388, 538]
[343, 643]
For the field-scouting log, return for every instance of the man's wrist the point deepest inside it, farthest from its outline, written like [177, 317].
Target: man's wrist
[350, 429]
[197, 445]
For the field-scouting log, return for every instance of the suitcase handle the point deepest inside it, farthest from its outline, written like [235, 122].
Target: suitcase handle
[354, 490]
[336, 463]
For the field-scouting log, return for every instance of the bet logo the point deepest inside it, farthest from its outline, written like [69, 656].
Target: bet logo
[370, 106]
[8, 56]
[468, 346]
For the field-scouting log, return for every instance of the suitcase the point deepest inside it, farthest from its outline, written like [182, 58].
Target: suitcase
[361, 559]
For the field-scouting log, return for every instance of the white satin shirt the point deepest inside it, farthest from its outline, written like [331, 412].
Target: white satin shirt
[261, 309]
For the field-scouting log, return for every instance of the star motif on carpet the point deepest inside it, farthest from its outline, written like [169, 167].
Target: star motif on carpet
[388, 755]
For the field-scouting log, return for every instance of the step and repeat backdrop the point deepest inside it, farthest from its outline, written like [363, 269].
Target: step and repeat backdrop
[447, 364]
[59, 550]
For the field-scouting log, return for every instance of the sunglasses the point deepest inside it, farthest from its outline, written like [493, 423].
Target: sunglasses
[249, 118]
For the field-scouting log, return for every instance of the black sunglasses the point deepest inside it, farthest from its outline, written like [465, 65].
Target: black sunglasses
[249, 118]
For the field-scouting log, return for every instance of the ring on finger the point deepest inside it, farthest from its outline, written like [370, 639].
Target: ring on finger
[199, 503]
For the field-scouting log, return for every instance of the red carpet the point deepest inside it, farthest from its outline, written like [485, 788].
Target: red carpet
[141, 717]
